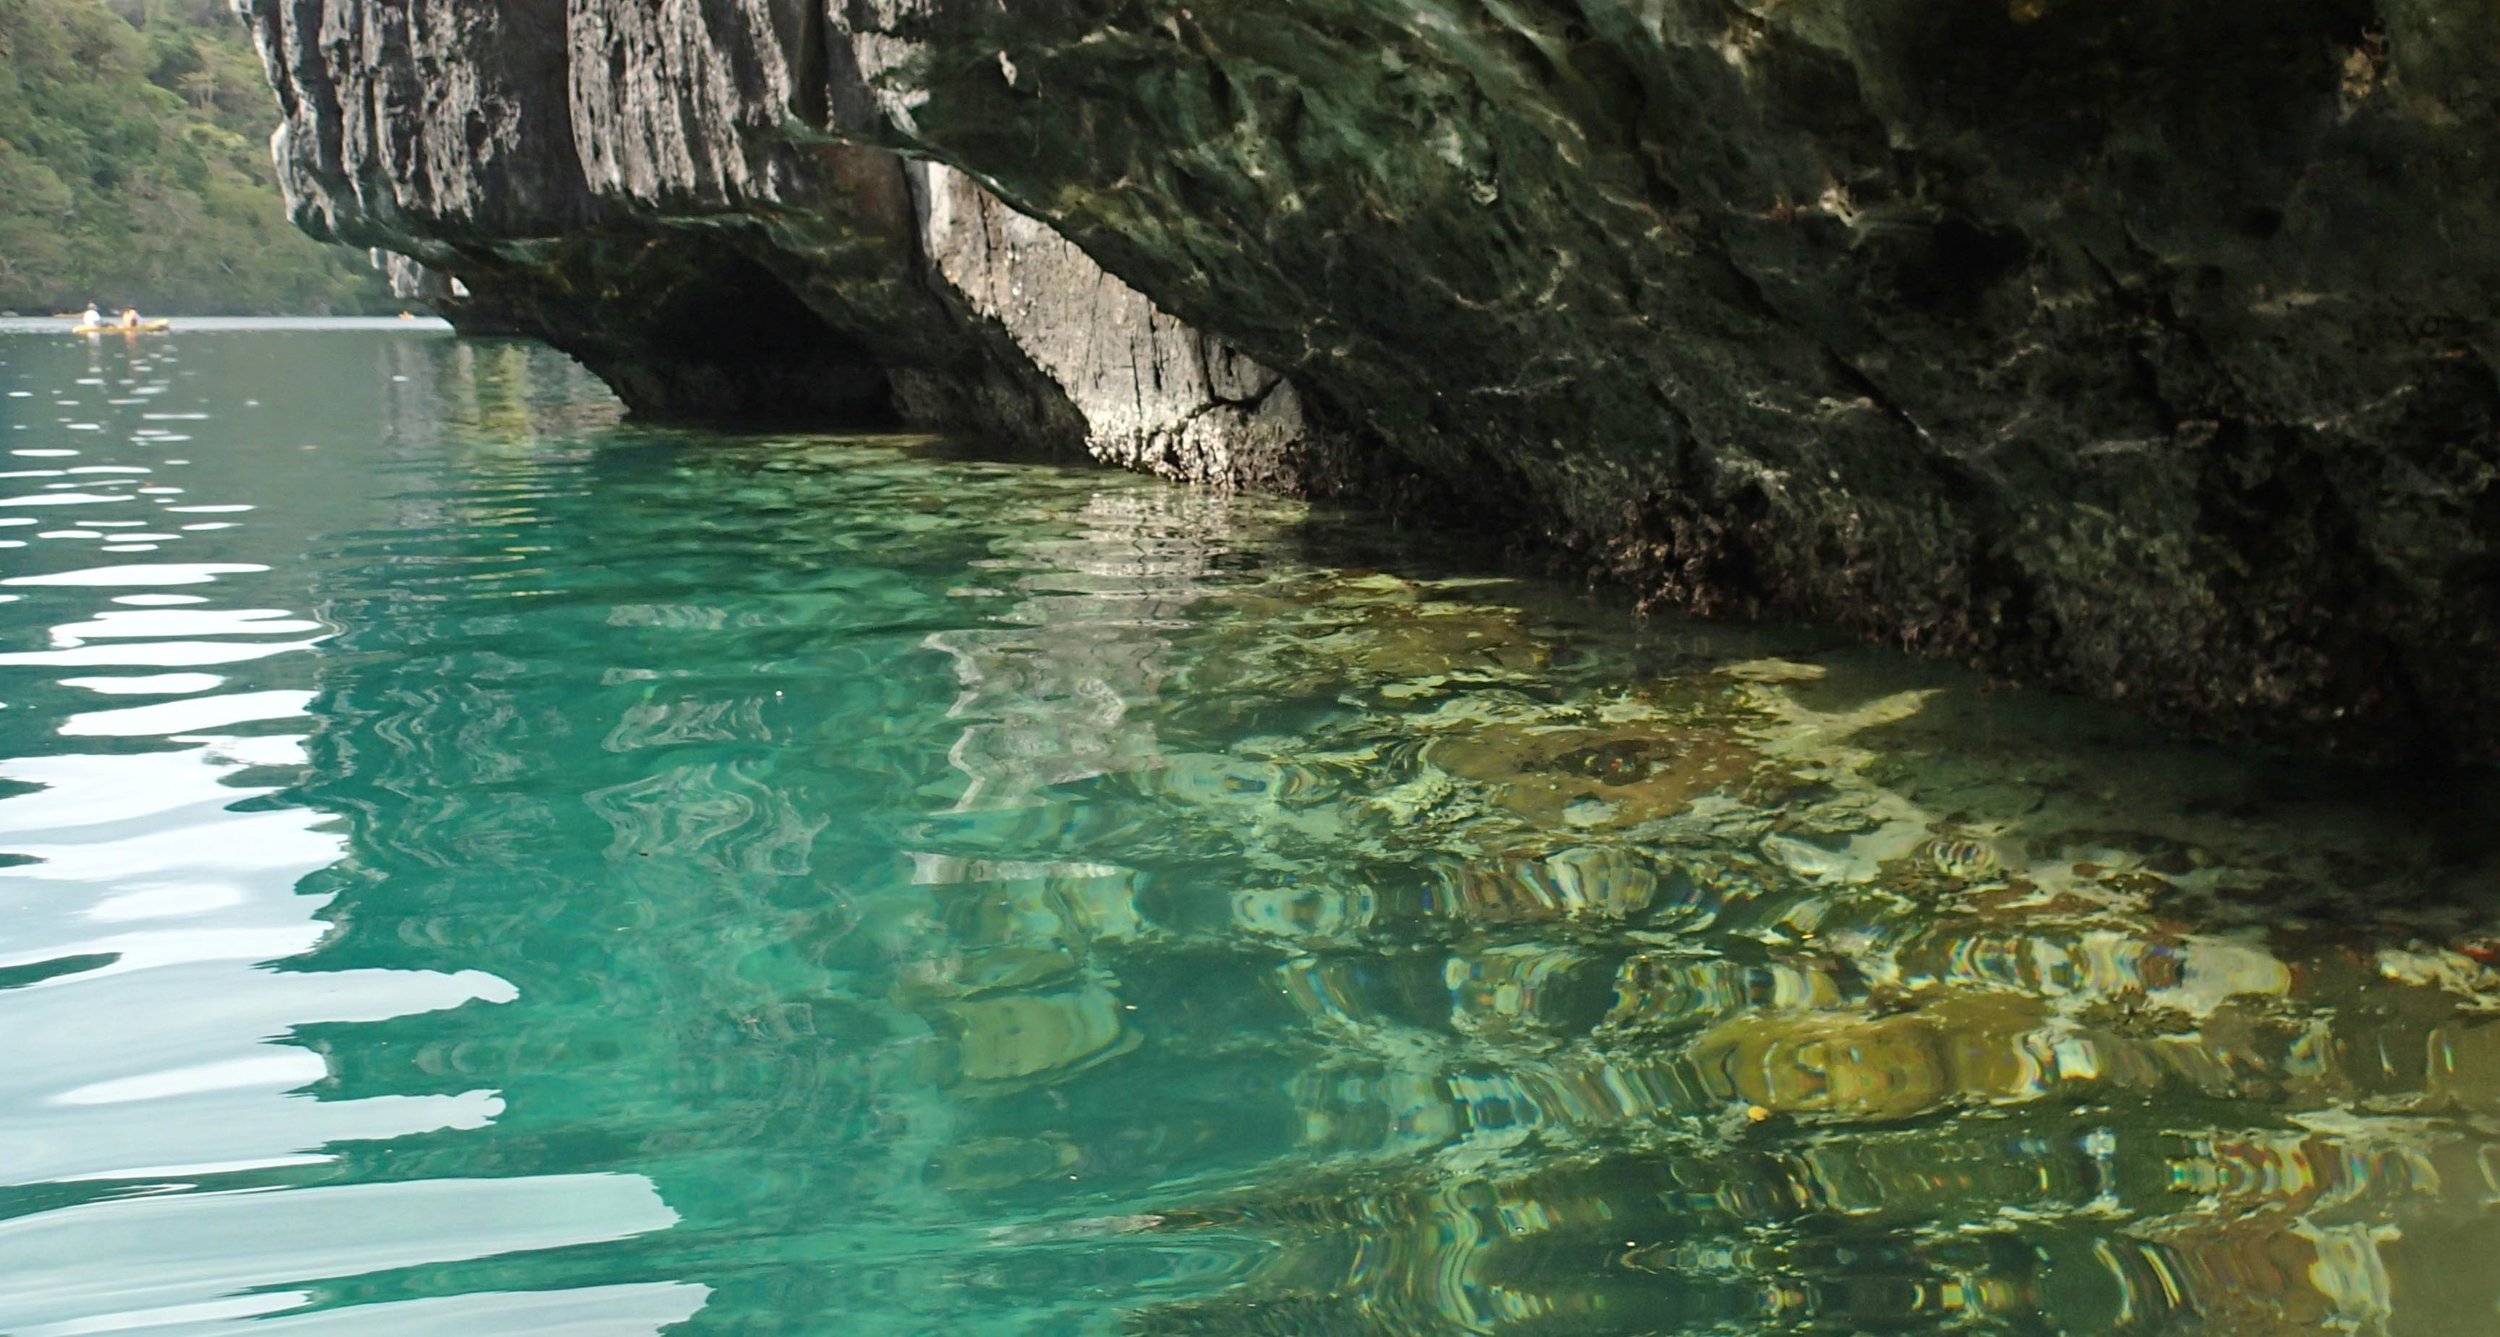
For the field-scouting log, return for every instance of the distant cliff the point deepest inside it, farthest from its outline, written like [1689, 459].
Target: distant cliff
[2143, 349]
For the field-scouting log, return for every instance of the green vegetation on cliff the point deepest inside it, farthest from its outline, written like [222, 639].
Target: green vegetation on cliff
[134, 168]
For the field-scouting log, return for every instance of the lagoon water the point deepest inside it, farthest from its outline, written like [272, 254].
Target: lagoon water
[472, 865]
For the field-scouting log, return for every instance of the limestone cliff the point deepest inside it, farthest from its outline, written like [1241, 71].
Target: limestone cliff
[2138, 348]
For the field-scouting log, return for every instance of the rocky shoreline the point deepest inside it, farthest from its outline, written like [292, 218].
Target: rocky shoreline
[2147, 353]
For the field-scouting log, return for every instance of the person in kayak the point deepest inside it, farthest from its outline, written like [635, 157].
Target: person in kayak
[90, 316]
[130, 317]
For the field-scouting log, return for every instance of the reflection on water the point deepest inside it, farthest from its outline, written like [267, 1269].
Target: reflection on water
[471, 866]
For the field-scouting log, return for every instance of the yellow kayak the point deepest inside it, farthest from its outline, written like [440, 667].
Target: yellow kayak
[116, 327]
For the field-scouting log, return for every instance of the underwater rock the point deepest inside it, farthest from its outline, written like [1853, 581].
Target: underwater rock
[1405, 637]
[2140, 350]
[1498, 993]
[1592, 883]
[1015, 1037]
[985, 1164]
[1967, 1046]
[1961, 858]
[1318, 913]
[1612, 776]
[1660, 992]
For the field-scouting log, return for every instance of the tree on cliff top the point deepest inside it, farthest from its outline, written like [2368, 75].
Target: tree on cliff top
[134, 168]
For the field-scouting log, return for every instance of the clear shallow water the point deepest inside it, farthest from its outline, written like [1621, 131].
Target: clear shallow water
[474, 867]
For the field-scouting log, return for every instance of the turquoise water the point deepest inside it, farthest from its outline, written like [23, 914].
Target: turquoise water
[468, 865]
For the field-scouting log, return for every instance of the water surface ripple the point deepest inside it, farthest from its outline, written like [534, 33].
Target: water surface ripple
[471, 865]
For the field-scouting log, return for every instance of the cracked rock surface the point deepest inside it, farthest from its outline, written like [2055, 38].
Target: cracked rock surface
[2140, 349]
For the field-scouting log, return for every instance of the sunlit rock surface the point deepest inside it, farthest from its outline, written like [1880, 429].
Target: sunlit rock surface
[2143, 350]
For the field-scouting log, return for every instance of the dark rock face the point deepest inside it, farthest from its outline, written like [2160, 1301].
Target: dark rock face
[2143, 349]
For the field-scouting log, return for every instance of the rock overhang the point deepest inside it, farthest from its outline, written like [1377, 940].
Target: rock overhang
[2140, 351]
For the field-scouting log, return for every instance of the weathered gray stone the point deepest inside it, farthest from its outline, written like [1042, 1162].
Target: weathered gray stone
[2141, 349]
